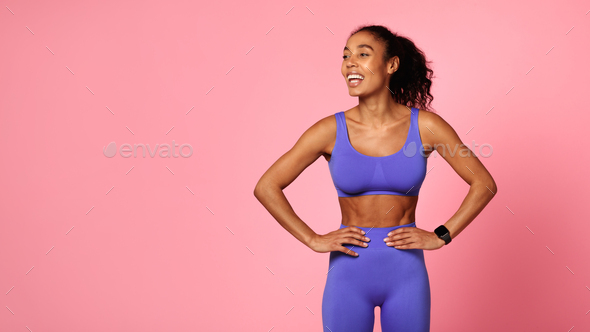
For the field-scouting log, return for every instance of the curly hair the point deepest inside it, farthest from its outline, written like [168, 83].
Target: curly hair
[410, 84]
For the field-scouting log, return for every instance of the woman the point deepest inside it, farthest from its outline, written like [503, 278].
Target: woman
[377, 153]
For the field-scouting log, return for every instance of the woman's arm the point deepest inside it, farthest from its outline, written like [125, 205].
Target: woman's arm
[269, 189]
[442, 137]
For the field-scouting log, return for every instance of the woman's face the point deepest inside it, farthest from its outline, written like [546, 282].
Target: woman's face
[363, 56]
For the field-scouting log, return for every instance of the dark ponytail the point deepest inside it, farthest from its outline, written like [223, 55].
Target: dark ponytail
[410, 84]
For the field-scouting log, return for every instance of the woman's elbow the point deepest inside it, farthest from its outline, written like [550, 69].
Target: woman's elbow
[491, 185]
[257, 189]
[260, 188]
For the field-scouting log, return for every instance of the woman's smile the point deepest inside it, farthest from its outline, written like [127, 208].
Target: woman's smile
[354, 82]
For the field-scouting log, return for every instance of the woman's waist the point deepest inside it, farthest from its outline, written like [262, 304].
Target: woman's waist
[378, 210]
[376, 236]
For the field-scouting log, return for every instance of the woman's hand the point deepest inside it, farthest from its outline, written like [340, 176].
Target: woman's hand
[413, 238]
[333, 241]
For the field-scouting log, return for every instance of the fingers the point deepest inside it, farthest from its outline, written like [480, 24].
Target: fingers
[354, 229]
[348, 251]
[402, 238]
[353, 236]
[352, 240]
[403, 244]
[399, 235]
[403, 231]
[358, 230]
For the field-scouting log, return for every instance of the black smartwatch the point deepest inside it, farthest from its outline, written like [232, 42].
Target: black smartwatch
[443, 233]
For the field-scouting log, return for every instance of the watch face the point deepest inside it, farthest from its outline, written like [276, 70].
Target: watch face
[441, 231]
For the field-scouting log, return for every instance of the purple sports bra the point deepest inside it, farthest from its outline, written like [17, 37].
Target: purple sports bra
[356, 174]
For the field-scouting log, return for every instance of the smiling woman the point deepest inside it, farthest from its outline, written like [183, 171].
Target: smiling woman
[409, 83]
[377, 153]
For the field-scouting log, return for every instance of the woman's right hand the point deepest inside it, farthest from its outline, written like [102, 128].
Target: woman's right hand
[333, 241]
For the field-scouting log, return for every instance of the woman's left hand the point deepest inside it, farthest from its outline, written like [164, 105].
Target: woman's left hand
[413, 238]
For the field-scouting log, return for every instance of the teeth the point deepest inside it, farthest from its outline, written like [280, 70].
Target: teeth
[351, 76]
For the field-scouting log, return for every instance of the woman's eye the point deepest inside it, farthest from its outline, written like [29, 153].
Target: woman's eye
[344, 56]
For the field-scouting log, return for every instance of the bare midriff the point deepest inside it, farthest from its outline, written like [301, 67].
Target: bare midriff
[378, 210]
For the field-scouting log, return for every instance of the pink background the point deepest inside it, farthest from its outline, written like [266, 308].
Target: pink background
[181, 243]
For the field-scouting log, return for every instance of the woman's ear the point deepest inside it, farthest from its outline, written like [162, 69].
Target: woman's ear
[393, 65]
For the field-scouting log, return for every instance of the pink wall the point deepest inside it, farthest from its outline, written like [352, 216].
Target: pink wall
[162, 244]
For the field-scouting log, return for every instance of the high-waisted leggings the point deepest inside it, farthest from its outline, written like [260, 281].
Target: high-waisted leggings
[394, 279]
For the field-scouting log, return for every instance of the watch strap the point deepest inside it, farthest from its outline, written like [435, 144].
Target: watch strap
[443, 233]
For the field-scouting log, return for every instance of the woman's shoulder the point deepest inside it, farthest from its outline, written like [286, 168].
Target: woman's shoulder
[429, 118]
[325, 128]
[430, 123]
[328, 122]
[325, 125]
[318, 137]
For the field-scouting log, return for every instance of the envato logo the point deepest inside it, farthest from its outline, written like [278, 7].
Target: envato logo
[163, 150]
[485, 150]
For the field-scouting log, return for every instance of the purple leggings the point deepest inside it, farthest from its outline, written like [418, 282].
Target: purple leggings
[394, 279]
